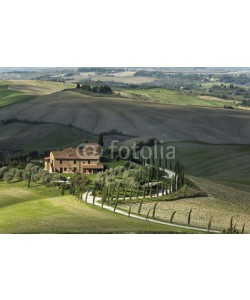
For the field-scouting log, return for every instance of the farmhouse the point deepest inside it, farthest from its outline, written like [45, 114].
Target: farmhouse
[84, 160]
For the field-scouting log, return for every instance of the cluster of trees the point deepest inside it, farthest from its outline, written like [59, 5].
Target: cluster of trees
[154, 74]
[134, 180]
[230, 91]
[50, 78]
[100, 70]
[78, 184]
[33, 173]
[99, 89]
[30, 173]
[246, 102]
[235, 78]
[19, 159]
[163, 163]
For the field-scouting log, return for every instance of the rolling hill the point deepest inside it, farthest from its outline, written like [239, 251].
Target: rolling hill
[44, 210]
[136, 118]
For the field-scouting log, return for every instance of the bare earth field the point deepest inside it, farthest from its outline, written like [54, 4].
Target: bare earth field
[225, 199]
[203, 208]
[169, 122]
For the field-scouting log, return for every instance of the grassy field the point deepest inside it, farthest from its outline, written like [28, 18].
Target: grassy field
[17, 91]
[174, 97]
[218, 161]
[36, 87]
[44, 210]
[136, 118]
[9, 97]
[41, 136]
[123, 77]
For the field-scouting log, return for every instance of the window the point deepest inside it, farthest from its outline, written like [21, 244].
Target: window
[60, 161]
[61, 170]
[65, 169]
[74, 170]
[88, 161]
[74, 162]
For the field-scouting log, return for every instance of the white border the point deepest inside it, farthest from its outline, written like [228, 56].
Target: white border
[161, 33]
[124, 33]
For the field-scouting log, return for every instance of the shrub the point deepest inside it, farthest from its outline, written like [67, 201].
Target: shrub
[2, 171]
[8, 176]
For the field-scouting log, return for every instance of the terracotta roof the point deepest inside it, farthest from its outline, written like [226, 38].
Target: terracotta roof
[91, 151]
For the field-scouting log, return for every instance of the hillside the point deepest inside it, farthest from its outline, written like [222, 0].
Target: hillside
[217, 161]
[27, 136]
[44, 210]
[9, 97]
[35, 87]
[174, 97]
[136, 118]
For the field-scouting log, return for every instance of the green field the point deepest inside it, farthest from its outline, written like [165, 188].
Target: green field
[218, 161]
[9, 97]
[172, 97]
[36, 87]
[210, 160]
[17, 91]
[41, 136]
[44, 210]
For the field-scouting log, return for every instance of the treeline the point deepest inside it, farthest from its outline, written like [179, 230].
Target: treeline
[154, 74]
[15, 120]
[102, 89]
[50, 78]
[230, 91]
[235, 78]
[246, 103]
[101, 70]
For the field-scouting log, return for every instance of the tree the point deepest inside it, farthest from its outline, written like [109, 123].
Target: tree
[2, 171]
[100, 140]
[45, 177]
[18, 174]
[8, 176]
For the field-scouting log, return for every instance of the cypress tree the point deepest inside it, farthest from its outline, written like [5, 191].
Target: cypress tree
[137, 191]
[172, 217]
[140, 206]
[151, 190]
[100, 140]
[144, 190]
[209, 224]
[148, 214]
[129, 212]
[130, 195]
[189, 216]
[154, 209]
